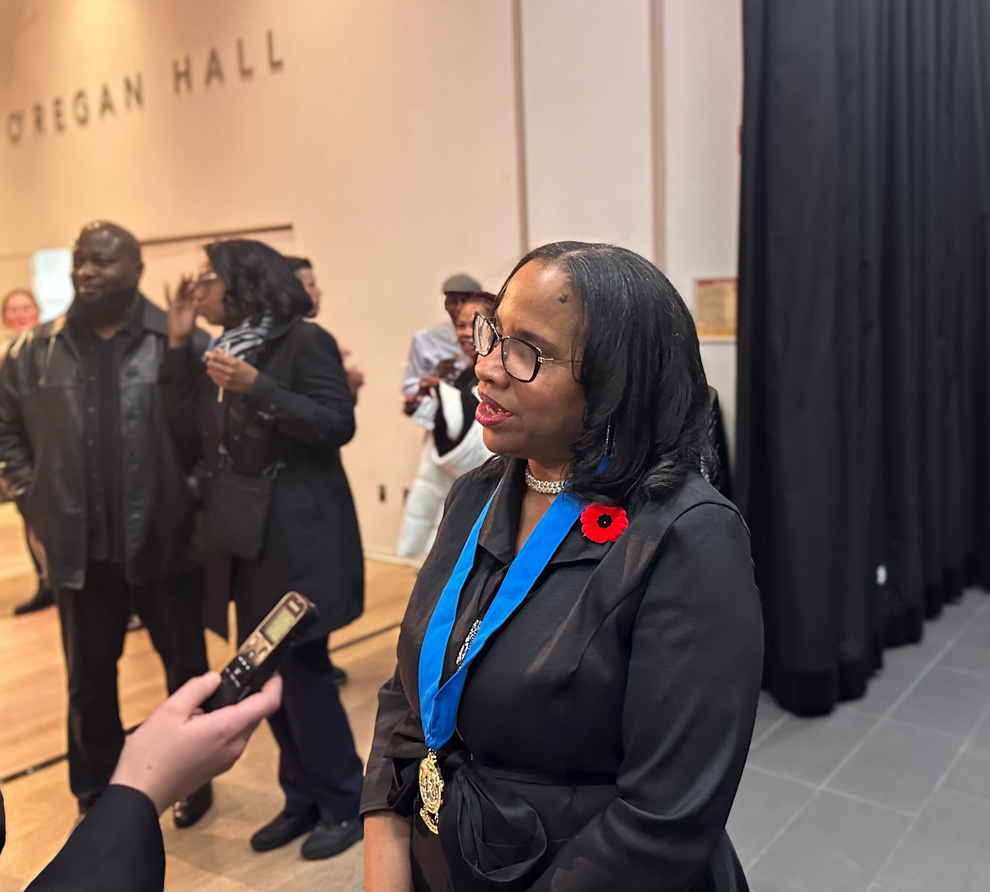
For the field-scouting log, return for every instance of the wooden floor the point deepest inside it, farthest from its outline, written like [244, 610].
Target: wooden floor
[213, 855]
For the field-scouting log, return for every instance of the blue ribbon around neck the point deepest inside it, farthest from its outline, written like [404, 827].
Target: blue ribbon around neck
[438, 705]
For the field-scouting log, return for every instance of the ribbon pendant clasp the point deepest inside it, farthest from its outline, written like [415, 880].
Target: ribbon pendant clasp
[430, 790]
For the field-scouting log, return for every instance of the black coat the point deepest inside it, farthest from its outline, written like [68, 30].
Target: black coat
[603, 729]
[299, 413]
[43, 463]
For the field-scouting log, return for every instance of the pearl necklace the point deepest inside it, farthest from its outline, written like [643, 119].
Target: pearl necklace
[547, 487]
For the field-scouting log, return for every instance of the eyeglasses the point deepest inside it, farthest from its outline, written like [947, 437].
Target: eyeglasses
[204, 280]
[520, 359]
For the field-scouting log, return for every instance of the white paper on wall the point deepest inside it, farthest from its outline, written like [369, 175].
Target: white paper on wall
[51, 281]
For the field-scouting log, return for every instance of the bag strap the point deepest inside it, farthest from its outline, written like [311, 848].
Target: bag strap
[281, 445]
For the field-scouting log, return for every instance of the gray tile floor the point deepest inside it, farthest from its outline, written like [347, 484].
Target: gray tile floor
[890, 793]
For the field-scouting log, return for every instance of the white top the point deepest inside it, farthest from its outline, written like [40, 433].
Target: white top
[429, 347]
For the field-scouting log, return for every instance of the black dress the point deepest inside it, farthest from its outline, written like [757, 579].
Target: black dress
[603, 730]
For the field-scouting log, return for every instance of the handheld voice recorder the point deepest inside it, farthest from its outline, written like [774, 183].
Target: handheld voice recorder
[259, 655]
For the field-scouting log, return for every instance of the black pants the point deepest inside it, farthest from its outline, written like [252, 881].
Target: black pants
[42, 583]
[318, 769]
[94, 623]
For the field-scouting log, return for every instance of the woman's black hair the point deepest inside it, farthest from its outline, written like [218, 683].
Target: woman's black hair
[645, 387]
[258, 280]
[298, 263]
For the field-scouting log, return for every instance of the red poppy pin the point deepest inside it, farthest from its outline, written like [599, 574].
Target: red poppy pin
[600, 523]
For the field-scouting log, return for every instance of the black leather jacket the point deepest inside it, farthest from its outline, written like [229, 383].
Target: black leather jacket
[42, 459]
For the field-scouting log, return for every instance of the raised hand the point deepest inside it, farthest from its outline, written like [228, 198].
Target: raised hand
[181, 312]
[355, 377]
[445, 369]
[230, 373]
[427, 384]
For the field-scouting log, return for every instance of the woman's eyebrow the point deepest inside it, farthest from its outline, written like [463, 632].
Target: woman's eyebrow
[524, 334]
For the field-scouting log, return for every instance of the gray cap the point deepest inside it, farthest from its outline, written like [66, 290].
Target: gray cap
[462, 283]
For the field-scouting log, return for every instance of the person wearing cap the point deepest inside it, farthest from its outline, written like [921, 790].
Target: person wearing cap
[454, 446]
[435, 354]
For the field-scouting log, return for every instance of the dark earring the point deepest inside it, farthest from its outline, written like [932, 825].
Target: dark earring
[609, 439]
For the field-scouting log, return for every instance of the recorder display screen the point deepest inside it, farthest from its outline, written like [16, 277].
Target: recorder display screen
[278, 626]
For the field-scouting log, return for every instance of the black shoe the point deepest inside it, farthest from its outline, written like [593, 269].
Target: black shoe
[339, 676]
[285, 828]
[328, 840]
[188, 811]
[43, 598]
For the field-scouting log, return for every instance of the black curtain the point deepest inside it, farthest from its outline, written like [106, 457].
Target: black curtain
[863, 462]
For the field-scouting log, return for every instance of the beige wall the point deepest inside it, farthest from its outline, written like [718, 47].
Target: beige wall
[702, 59]
[588, 121]
[387, 140]
[401, 140]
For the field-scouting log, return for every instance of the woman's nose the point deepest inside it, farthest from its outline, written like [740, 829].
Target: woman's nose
[489, 368]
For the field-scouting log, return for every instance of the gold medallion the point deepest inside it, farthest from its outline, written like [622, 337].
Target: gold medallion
[430, 790]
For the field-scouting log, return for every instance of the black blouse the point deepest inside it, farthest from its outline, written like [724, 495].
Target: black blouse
[603, 730]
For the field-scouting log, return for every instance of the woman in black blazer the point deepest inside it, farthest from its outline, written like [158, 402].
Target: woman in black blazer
[579, 665]
[271, 403]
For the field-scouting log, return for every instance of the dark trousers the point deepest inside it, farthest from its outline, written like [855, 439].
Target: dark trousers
[34, 560]
[94, 623]
[318, 769]
[42, 583]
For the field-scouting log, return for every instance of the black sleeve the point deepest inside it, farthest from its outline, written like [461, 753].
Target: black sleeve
[16, 455]
[117, 848]
[693, 684]
[181, 378]
[398, 729]
[319, 409]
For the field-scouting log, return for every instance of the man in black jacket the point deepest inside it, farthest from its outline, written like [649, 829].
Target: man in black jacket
[85, 452]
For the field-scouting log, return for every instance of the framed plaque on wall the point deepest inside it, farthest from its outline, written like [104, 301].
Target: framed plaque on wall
[715, 309]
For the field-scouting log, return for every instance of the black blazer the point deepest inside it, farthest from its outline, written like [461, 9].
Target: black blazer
[299, 412]
[42, 451]
[603, 730]
[117, 848]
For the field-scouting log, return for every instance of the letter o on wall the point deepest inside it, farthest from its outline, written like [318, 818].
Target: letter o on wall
[80, 107]
[15, 126]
